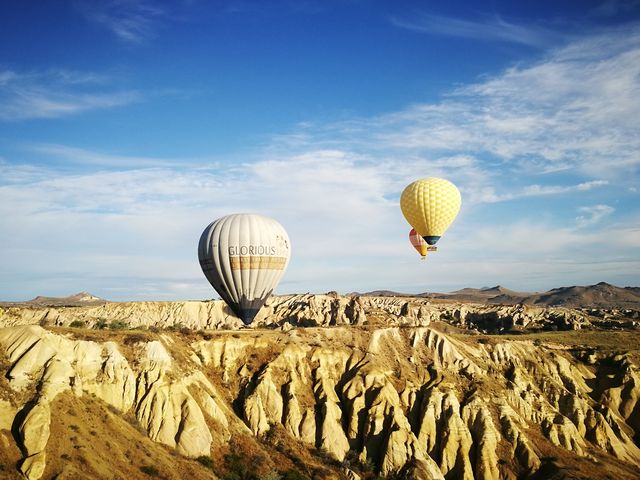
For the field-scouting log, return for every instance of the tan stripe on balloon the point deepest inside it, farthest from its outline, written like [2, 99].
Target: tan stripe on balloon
[257, 263]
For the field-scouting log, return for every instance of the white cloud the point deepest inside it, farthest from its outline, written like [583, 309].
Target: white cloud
[565, 126]
[611, 8]
[133, 234]
[20, 174]
[580, 105]
[493, 28]
[88, 157]
[593, 214]
[577, 109]
[56, 93]
[140, 227]
[489, 195]
[132, 21]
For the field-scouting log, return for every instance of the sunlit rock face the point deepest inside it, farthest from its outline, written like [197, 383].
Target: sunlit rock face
[395, 386]
[326, 310]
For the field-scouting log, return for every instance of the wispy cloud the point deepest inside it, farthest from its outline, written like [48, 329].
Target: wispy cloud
[56, 93]
[277, 7]
[593, 214]
[493, 28]
[75, 155]
[564, 127]
[132, 21]
[21, 174]
[131, 227]
[576, 109]
[612, 8]
[490, 195]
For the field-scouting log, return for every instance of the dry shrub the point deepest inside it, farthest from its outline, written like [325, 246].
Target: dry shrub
[135, 338]
[150, 470]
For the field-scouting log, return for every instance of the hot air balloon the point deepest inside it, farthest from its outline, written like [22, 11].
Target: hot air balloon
[244, 257]
[419, 243]
[430, 205]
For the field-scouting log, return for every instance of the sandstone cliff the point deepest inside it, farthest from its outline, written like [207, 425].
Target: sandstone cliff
[325, 310]
[370, 385]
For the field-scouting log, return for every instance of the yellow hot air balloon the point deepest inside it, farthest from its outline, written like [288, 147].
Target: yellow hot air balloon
[430, 205]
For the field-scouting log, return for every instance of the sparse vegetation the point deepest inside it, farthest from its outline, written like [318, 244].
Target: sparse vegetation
[204, 335]
[118, 325]
[101, 324]
[273, 475]
[320, 472]
[150, 470]
[604, 341]
[352, 461]
[250, 467]
[293, 475]
[133, 421]
[277, 455]
[135, 338]
[206, 461]
[113, 409]
[176, 327]
[77, 324]
[238, 468]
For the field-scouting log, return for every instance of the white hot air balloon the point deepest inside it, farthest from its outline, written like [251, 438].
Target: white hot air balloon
[244, 257]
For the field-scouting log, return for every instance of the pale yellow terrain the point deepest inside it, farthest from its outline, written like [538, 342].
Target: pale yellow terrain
[323, 385]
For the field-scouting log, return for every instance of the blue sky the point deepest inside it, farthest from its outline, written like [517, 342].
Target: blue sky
[126, 126]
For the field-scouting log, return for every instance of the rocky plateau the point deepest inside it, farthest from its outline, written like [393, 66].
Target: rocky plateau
[321, 387]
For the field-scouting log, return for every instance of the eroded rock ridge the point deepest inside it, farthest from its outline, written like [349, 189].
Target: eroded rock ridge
[406, 400]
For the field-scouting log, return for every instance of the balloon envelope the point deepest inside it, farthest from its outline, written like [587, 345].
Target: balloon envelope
[418, 243]
[244, 257]
[430, 205]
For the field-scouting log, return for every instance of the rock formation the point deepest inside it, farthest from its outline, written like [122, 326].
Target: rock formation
[324, 310]
[405, 399]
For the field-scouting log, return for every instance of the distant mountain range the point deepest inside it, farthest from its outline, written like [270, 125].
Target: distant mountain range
[601, 295]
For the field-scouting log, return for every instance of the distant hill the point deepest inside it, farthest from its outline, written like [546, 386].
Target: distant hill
[497, 294]
[601, 295]
[384, 293]
[76, 300]
[468, 295]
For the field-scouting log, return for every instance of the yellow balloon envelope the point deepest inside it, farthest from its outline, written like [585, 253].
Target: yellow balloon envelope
[430, 205]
